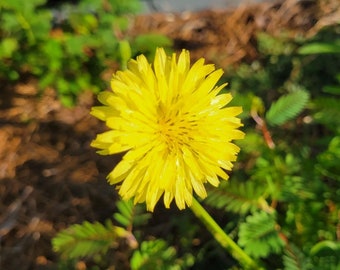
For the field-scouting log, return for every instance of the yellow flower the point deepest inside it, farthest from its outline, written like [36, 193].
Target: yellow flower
[172, 123]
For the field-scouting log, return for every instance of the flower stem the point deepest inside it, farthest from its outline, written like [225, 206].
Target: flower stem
[222, 238]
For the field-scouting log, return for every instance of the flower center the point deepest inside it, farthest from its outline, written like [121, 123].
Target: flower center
[175, 130]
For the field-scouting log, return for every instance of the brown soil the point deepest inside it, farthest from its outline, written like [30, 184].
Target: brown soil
[51, 178]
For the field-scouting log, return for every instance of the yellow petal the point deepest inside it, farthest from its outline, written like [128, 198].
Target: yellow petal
[120, 172]
[172, 121]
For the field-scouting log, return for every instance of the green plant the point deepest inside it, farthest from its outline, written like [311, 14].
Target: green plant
[94, 240]
[287, 107]
[156, 254]
[88, 239]
[69, 51]
[259, 235]
[293, 167]
[281, 203]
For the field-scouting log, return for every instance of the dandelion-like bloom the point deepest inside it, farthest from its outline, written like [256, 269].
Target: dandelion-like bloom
[172, 123]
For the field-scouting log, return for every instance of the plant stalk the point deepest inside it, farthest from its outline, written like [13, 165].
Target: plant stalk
[222, 238]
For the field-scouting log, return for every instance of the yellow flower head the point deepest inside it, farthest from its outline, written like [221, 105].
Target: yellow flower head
[172, 123]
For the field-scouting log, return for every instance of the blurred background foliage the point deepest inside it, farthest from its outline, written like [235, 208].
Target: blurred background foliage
[68, 46]
[281, 204]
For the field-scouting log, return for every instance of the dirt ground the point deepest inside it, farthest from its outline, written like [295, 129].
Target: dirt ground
[51, 178]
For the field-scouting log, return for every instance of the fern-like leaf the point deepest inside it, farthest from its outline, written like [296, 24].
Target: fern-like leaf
[258, 235]
[125, 213]
[287, 107]
[295, 259]
[87, 239]
[130, 215]
[239, 198]
[157, 254]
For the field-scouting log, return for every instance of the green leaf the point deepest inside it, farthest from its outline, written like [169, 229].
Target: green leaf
[326, 111]
[74, 45]
[119, 7]
[326, 255]
[7, 47]
[130, 215]
[156, 254]
[270, 45]
[287, 107]
[236, 197]
[316, 48]
[295, 259]
[87, 239]
[326, 247]
[328, 161]
[66, 100]
[147, 43]
[22, 5]
[259, 235]
[332, 89]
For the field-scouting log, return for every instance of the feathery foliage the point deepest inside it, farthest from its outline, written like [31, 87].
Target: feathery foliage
[156, 254]
[259, 235]
[130, 215]
[87, 239]
[294, 259]
[287, 107]
[239, 198]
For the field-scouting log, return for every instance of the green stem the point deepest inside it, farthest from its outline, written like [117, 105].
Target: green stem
[222, 238]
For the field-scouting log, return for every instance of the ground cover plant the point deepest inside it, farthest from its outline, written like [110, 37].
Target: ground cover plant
[68, 46]
[280, 205]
